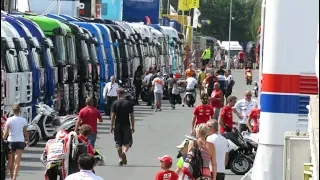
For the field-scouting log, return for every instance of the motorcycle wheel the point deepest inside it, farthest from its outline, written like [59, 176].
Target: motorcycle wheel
[144, 97]
[240, 165]
[33, 137]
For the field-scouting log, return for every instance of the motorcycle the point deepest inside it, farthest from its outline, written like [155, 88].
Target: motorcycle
[248, 78]
[190, 98]
[256, 89]
[46, 124]
[241, 152]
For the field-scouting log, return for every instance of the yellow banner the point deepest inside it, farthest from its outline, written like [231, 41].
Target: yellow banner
[194, 4]
[183, 5]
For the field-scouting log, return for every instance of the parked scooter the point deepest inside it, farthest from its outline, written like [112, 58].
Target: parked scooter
[255, 88]
[46, 124]
[190, 98]
[241, 152]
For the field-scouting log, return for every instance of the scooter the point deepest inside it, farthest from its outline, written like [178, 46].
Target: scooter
[46, 124]
[255, 88]
[190, 98]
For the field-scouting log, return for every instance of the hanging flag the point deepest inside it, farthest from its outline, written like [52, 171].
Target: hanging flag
[196, 14]
[173, 11]
[194, 4]
[183, 5]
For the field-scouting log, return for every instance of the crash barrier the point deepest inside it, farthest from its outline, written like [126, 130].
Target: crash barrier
[308, 171]
[314, 134]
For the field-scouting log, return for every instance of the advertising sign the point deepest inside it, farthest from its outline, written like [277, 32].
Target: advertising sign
[137, 10]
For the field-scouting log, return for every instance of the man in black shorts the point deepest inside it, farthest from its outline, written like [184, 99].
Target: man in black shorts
[121, 126]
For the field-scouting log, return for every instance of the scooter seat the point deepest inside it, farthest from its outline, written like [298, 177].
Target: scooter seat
[58, 121]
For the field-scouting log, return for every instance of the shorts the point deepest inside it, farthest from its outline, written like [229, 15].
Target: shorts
[241, 60]
[205, 62]
[158, 97]
[122, 136]
[13, 146]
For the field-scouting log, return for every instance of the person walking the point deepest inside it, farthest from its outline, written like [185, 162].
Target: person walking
[221, 145]
[230, 83]
[217, 100]
[89, 115]
[122, 118]
[210, 80]
[206, 56]
[208, 152]
[157, 86]
[18, 138]
[243, 108]
[226, 116]
[137, 82]
[86, 164]
[148, 80]
[202, 113]
[110, 94]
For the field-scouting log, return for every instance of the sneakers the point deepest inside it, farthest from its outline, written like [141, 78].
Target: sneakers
[124, 158]
[155, 110]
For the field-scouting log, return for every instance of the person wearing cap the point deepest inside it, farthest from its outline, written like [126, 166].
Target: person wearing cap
[166, 173]
[157, 86]
[183, 151]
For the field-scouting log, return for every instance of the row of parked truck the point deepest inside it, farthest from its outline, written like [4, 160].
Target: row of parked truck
[60, 60]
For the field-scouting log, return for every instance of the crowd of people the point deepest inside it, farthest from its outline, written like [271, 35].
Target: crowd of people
[211, 118]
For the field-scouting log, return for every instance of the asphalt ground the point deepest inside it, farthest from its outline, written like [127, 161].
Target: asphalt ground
[157, 134]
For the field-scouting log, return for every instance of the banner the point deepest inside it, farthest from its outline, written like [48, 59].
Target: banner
[194, 4]
[183, 5]
[136, 10]
[196, 14]
[173, 11]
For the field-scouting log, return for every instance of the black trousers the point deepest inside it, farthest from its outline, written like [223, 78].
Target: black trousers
[220, 176]
[108, 106]
[138, 85]
[209, 91]
[53, 173]
[151, 98]
[3, 174]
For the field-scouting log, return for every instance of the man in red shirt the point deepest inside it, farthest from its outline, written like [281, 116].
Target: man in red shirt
[89, 115]
[255, 116]
[202, 113]
[166, 173]
[226, 119]
[241, 58]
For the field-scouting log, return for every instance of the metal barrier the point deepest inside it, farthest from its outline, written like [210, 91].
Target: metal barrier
[308, 170]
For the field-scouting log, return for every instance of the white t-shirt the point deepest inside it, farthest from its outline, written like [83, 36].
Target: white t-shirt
[83, 175]
[147, 78]
[191, 82]
[221, 145]
[244, 108]
[158, 85]
[229, 78]
[110, 90]
[16, 125]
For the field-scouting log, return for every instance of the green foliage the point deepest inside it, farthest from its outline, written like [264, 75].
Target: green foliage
[246, 18]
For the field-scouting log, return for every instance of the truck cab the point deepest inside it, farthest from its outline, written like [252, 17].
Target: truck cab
[171, 34]
[48, 59]
[20, 52]
[36, 65]
[63, 41]
[158, 39]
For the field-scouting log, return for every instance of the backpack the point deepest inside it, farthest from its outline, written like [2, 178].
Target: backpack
[193, 163]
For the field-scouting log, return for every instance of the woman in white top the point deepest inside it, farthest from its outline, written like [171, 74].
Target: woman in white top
[16, 132]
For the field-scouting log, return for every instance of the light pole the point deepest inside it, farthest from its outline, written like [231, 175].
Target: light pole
[230, 20]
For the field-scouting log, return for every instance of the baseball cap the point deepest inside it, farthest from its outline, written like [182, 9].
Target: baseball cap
[183, 144]
[166, 159]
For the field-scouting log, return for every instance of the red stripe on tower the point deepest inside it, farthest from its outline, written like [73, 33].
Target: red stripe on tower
[292, 84]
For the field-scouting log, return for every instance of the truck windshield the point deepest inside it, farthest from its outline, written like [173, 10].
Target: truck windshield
[111, 47]
[50, 56]
[71, 55]
[93, 53]
[234, 52]
[84, 49]
[60, 47]
[22, 58]
[10, 63]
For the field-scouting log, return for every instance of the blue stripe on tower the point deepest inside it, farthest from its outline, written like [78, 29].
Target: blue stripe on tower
[287, 104]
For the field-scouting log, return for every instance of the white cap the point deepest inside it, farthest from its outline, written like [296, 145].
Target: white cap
[183, 144]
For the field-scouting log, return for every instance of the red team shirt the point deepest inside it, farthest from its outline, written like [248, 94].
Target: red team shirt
[254, 114]
[226, 114]
[166, 175]
[241, 55]
[90, 116]
[203, 113]
[216, 103]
